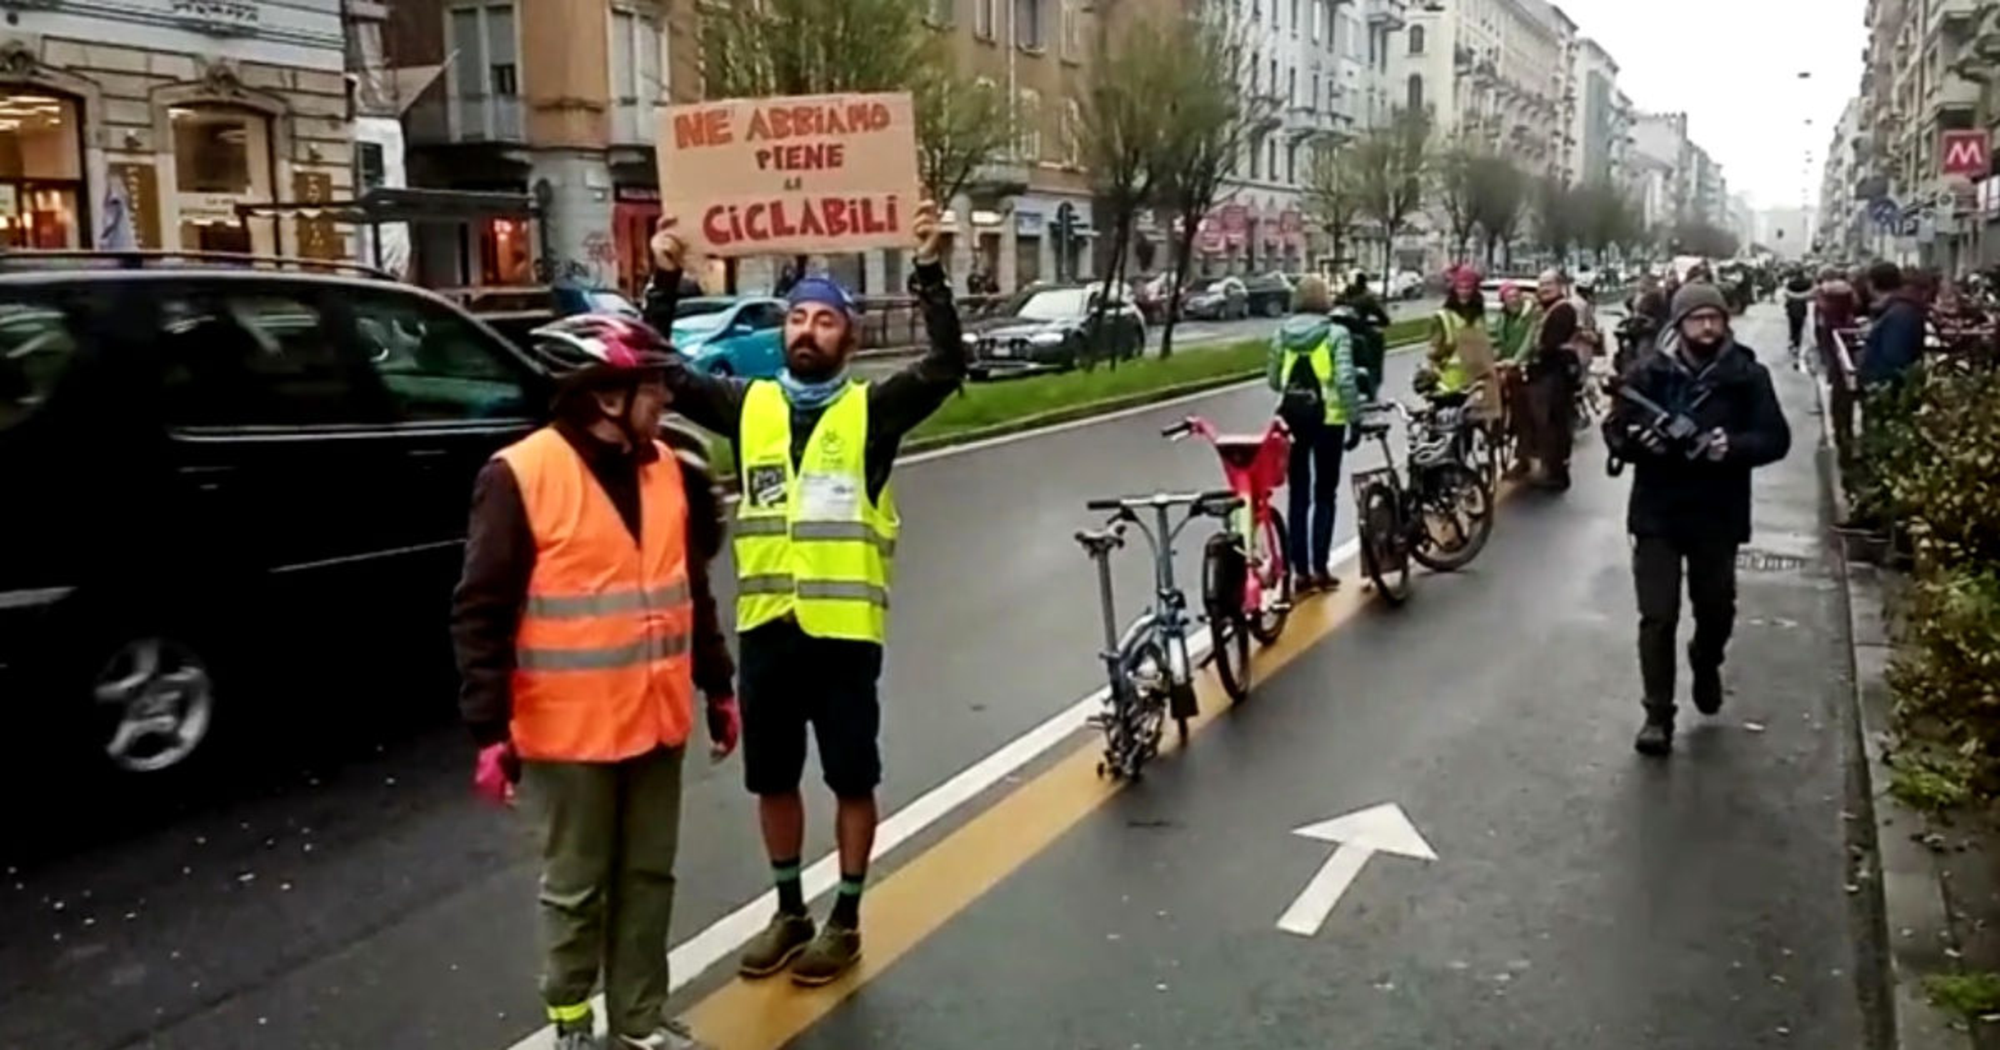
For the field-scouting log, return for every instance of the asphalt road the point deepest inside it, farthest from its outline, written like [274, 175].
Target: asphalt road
[1580, 897]
[366, 901]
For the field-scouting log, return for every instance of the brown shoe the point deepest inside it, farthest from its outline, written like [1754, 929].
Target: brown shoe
[776, 947]
[832, 953]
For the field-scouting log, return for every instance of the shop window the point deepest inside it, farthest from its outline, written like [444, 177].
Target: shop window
[506, 253]
[222, 157]
[41, 172]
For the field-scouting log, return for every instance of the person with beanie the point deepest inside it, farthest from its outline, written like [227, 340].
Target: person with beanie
[814, 536]
[1321, 394]
[1689, 509]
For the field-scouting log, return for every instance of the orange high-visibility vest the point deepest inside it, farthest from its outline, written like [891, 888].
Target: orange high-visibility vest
[602, 664]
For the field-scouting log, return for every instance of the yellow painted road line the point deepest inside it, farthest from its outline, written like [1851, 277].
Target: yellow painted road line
[918, 898]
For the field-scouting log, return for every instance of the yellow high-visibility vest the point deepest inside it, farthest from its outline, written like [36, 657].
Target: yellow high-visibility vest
[1452, 377]
[809, 542]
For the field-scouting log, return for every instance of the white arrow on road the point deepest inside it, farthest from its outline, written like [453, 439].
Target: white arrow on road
[1356, 837]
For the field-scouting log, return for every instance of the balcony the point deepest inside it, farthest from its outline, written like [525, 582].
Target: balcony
[442, 119]
[1952, 17]
[1007, 177]
[1388, 14]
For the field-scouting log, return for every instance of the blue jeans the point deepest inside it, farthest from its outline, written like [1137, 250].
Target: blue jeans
[1315, 484]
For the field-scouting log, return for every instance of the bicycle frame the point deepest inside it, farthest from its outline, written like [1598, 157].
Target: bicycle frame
[1254, 477]
[1166, 618]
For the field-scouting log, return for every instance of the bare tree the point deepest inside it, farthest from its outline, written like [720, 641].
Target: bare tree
[1208, 118]
[1390, 163]
[962, 125]
[1500, 191]
[1333, 196]
[1123, 127]
[1454, 174]
[1557, 222]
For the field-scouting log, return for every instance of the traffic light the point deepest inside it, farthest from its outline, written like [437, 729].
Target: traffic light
[1065, 236]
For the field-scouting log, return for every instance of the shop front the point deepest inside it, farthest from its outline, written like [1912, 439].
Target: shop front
[42, 196]
[635, 211]
[222, 158]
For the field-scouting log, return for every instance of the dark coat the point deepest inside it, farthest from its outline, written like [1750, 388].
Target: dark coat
[1685, 500]
[1895, 339]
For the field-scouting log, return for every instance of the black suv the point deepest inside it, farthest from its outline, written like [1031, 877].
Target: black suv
[234, 497]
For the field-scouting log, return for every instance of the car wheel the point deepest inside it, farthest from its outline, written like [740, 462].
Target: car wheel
[153, 701]
[1274, 308]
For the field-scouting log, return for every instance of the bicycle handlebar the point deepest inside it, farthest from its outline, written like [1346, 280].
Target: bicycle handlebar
[1178, 430]
[1201, 502]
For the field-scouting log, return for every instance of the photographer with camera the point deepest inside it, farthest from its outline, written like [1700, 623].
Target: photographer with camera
[1694, 418]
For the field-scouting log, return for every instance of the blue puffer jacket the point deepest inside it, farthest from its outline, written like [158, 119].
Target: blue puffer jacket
[1895, 340]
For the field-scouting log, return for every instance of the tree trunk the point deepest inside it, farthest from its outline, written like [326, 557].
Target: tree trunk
[1184, 251]
[1122, 230]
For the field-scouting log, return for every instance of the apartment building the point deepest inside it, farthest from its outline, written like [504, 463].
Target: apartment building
[554, 99]
[1602, 123]
[1841, 228]
[1494, 71]
[145, 123]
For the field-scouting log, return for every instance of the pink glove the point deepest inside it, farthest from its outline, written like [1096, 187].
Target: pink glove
[494, 776]
[725, 726]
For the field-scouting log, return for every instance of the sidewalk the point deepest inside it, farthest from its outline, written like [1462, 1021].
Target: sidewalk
[1580, 896]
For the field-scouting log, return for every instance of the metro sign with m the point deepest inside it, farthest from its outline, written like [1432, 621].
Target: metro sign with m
[1967, 153]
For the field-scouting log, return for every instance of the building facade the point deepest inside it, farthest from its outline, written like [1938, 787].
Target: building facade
[146, 123]
[1603, 116]
[1494, 72]
[1664, 160]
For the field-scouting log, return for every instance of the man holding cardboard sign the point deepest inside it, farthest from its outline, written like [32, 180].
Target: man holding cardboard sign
[816, 526]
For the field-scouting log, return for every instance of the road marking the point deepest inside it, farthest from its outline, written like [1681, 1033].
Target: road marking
[1357, 837]
[725, 937]
[918, 898]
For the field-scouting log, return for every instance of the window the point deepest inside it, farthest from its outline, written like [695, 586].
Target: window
[762, 317]
[1028, 126]
[1295, 17]
[257, 359]
[1072, 30]
[1292, 163]
[1256, 69]
[482, 37]
[370, 168]
[1319, 20]
[1292, 86]
[984, 15]
[1315, 98]
[41, 174]
[1271, 158]
[635, 74]
[1274, 76]
[941, 12]
[435, 366]
[1028, 24]
[221, 153]
[1414, 101]
[1256, 158]
[36, 344]
[1416, 40]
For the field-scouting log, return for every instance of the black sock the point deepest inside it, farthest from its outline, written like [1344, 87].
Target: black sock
[791, 897]
[847, 902]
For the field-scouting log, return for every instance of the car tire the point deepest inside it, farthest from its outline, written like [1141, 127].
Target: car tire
[977, 375]
[1274, 308]
[141, 694]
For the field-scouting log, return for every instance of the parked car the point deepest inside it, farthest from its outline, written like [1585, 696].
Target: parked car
[1054, 329]
[1216, 299]
[732, 337]
[236, 501]
[1267, 295]
[1405, 284]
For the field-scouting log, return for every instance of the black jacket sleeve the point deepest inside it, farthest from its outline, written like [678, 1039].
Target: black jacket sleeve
[486, 609]
[1371, 311]
[1624, 415]
[1768, 437]
[714, 671]
[908, 397]
[714, 403]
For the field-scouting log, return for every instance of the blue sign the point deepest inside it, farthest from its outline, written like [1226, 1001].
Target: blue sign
[1884, 212]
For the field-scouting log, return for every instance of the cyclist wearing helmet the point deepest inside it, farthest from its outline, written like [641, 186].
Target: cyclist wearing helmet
[813, 539]
[584, 624]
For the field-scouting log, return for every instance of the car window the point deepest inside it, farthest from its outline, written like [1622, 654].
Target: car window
[256, 358]
[436, 365]
[762, 317]
[1057, 304]
[36, 344]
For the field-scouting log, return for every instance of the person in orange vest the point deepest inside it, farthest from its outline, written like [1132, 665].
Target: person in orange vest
[584, 624]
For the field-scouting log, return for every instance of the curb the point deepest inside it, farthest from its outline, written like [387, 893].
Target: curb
[1915, 918]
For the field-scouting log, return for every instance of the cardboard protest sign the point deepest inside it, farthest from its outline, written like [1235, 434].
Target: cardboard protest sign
[806, 175]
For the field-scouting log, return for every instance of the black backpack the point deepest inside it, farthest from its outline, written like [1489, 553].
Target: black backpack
[1302, 404]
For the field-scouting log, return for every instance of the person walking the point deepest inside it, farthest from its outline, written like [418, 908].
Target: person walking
[1689, 509]
[1798, 300]
[1553, 372]
[1319, 394]
[814, 536]
[583, 625]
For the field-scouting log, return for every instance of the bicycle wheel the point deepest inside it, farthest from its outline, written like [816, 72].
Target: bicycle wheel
[1479, 454]
[1380, 523]
[1455, 511]
[1274, 581]
[1222, 580]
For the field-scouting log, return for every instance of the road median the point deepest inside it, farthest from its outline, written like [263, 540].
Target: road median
[988, 410]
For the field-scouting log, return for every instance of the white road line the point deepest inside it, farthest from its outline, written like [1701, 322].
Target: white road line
[694, 956]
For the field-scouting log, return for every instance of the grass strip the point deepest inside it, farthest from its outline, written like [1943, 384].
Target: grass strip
[982, 410]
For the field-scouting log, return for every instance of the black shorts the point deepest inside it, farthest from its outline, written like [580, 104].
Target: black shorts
[789, 679]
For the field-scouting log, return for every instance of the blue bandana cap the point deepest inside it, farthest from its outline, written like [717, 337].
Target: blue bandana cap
[821, 291]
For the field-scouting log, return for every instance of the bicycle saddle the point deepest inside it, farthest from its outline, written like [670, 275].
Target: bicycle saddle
[1098, 541]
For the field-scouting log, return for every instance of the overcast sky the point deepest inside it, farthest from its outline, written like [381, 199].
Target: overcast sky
[1733, 65]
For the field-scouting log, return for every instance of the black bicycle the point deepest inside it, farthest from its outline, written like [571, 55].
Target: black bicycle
[1148, 664]
[1436, 511]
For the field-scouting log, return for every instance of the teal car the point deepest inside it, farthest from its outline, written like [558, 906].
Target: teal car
[728, 336]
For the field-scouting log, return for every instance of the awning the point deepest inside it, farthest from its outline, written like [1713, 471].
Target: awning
[410, 82]
[387, 204]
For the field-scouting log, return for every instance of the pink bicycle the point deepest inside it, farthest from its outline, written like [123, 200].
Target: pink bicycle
[1246, 586]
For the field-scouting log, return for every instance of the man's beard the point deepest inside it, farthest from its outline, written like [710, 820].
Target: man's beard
[819, 365]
